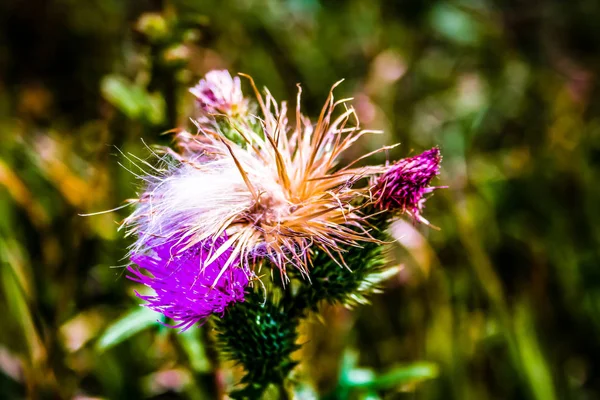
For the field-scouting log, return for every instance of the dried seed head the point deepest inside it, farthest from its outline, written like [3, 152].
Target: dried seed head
[275, 194]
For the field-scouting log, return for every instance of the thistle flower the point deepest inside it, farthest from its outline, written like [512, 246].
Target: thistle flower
[275, 194]
[219, 93]
[187, 289]
[403, 186]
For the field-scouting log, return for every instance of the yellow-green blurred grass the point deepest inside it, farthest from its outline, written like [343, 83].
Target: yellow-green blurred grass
[501, 302]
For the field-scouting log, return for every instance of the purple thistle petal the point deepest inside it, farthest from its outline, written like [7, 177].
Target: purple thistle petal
[403, 186]
[183, 284]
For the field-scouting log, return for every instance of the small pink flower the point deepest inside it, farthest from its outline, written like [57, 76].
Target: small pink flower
[403, 186]
[219, 93]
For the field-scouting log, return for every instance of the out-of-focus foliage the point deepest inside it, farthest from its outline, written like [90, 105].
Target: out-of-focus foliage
[502, 302]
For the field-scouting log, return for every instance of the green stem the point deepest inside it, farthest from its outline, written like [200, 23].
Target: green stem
[283, 392]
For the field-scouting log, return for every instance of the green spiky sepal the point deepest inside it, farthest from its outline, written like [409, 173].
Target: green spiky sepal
[333, 283]
[260, 336]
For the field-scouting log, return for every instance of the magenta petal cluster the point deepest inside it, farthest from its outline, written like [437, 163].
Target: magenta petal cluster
[219, 93]
[403, 186]
[185, 289]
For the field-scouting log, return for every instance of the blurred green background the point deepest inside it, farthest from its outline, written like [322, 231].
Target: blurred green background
[502, 303]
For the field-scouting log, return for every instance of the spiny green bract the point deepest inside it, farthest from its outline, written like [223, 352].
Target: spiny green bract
[259, 335]
[336, 284]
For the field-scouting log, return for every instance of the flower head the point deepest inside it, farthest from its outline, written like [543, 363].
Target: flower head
[219, 93]
[403, 186]
[275, 193]
[188, 288]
